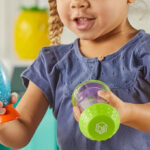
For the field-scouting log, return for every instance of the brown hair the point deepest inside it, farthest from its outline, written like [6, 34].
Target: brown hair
[55, 24]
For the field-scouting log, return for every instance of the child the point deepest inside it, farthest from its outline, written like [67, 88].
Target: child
[108, 49]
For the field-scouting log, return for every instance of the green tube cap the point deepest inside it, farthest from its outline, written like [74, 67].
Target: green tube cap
[99, 122]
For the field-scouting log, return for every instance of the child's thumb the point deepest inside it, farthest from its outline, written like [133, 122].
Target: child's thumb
[14, 97]
[110, 97]
[105, 95]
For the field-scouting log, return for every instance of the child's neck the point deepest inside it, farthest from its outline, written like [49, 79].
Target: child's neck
[106, 45]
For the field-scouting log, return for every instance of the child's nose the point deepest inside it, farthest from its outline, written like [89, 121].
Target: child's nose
[79, 4]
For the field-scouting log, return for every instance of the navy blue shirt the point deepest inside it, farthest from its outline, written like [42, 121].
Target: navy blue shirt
[59, 69]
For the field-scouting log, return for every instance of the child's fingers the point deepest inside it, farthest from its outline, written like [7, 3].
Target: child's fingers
[77, 113]
[14, 97]
[1, 104]
[109, 97]
[105, 95]
[2, 111]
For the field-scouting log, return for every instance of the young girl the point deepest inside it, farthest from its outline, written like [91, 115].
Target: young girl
[108, 49]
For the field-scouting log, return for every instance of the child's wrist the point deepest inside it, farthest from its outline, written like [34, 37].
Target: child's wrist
[128, 113]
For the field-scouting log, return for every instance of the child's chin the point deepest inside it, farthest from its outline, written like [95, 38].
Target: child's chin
[87, 38]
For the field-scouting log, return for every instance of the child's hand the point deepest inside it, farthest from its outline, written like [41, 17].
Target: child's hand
[76, 112]
[112, 100]
[13, 101]
[116, 102]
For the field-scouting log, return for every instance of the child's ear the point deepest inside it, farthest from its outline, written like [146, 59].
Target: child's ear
[131, 1]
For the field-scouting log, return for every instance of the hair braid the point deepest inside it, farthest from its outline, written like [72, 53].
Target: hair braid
[55, 24]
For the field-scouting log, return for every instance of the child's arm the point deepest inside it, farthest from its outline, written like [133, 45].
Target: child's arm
[139, 116]
[133, 115]
[32, 107]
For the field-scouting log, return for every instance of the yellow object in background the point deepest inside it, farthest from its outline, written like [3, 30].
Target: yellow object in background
[31, 32]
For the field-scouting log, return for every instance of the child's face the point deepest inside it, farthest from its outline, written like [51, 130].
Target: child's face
[90, 19]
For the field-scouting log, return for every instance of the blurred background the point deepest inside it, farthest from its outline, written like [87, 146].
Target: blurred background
[20, 29]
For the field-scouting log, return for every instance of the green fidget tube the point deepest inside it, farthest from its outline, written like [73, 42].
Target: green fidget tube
[98, 121]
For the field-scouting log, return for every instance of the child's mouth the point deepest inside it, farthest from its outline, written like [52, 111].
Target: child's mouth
[83, 23]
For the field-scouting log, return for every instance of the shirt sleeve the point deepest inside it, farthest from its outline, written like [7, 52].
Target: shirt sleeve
[144, 55]
[40, 73]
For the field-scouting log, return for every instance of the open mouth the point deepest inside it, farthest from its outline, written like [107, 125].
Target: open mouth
[82, 20]
[83, 23]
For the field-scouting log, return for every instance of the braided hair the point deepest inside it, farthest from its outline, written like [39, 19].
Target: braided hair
[55, 24]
